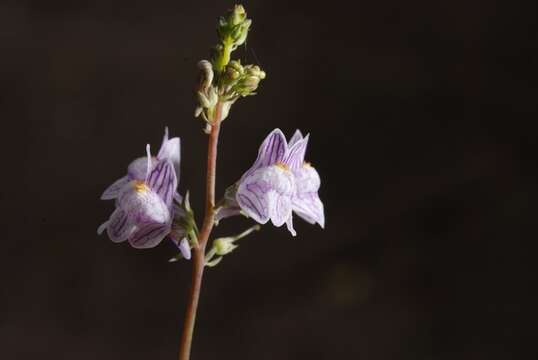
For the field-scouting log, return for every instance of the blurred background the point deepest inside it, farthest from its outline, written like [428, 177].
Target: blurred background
[422, 120]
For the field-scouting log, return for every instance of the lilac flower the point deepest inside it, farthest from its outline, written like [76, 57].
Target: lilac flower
[145, 211]
[280, 182]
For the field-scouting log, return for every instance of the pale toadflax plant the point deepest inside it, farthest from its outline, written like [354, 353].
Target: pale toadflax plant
[149, 208]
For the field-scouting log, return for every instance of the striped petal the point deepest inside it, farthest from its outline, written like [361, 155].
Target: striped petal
[149, 235]
[170, 150]
[163, 181]
[296, 137]
[272, 150]
[306, 201]
[114, 190]
[120, 226]
[295, 156]
[266, 194]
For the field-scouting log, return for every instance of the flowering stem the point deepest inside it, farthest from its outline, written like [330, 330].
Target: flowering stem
[198, 259]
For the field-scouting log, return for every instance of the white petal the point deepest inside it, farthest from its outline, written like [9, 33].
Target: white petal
[143, 204]
[309, 207]
[306, 201]
[266, 194]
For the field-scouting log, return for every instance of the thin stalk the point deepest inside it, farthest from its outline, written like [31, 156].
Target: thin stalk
[198, 258]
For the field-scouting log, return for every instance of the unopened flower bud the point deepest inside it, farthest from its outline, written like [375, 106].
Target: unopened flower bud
[224, 246]
[234, 27]
[240, 33]
[237, 15]
[254, 70]
[206, 75]
[232, 72]
[249, 83]
[235, 68]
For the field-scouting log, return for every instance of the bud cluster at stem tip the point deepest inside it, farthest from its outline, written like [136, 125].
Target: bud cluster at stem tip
[223, 80]
[232, 30]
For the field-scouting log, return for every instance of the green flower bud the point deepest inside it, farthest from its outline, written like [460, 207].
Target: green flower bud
[237, 15]
[250, 81]
[254, 70]
[232, 72]
[233, 28]
[224, 246]
[240, 33]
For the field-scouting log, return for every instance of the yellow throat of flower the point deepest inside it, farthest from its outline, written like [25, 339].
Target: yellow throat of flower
[282, 166]
[140, 186]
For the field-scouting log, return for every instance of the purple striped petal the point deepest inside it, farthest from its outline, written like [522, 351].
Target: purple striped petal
[266, 194]
[272, 150]
[149, 235]
[296, 137]
[163, 181]
[170, 150]
[306, 201]
[295, 156]
[120, 226]
[114, 190]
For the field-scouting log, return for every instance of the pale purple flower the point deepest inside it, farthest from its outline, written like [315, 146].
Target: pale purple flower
[280, 182]
[145, 211]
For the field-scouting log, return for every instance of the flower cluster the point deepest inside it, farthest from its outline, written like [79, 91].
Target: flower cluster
[145, 208]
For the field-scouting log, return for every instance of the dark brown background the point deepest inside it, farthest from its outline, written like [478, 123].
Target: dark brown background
[422, 119]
